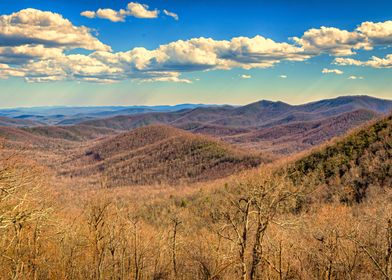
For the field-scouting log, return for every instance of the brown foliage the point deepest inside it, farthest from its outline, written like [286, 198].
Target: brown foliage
[251, 227]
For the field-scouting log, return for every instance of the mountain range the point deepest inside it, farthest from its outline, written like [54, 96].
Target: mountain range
[193, 143]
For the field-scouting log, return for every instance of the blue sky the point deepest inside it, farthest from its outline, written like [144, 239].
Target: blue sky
[243, 70]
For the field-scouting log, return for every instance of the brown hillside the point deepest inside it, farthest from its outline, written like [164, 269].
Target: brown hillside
[298, 136]
[161, 154]
[50, 136]
[5, 121]
[351, 164]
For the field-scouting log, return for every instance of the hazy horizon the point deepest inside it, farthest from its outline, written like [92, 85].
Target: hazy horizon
[179, 104]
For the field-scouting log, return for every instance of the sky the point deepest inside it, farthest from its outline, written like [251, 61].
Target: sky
[83, 53]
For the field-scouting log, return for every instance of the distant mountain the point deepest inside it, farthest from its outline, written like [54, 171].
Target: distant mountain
[73, 115]
[348, 103]
[265, 125]
[160, 154]
[263, 113]
[15, 122]
[51, 136]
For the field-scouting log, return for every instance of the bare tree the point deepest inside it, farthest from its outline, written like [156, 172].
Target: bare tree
[97, 224]
[175, 223]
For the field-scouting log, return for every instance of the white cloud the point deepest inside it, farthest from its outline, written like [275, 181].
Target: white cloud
[133, 9]
[377, 62]
[346, 61]
[283, 76]
[33, 45]
[51, 30]
[88, 14]
[246, 76]
[111, 15]
[6, 71]
[332, 71]
[141, 11]
[338, 42]
[23, 53]
[166, 63]
[379, 33]
[173, 79]
[374, 62]
[333, 41]
[355, 78]
[171, 14]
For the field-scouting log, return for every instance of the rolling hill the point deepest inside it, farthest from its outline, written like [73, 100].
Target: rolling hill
[266, 126]
[16, 122]
[160, 154]
[273, 127]
[58, 115]
[351, 164]
[297, 136]
[50, 136]
[263, 113]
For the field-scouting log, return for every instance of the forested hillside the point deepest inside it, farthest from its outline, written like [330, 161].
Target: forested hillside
[325, 215]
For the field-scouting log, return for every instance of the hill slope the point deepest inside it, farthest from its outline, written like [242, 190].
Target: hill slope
[350, 165]
[47, 137]
[160, 154]
[15, 122]
[301, 135]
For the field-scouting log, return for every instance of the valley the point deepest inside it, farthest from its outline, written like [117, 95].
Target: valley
[203, 180]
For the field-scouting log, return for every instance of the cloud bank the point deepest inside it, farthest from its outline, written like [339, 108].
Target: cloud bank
[34, 45]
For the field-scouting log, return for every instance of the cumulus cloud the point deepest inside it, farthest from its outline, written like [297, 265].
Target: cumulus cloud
[283, 76]
[379, 33]
[133, 9]
[332, 40]
[31, 27]
[338, 42]
[111, 15]
[7, 71]
[23, 53]
[355, 78]
[171, 14]
[88, 14]
[332, 71]
[346, 61]
[374, 62]
[166, 63]
[34, 44]
[141, 11]
[246, 76]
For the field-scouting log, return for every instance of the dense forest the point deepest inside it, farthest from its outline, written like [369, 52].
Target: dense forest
[325, 214]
